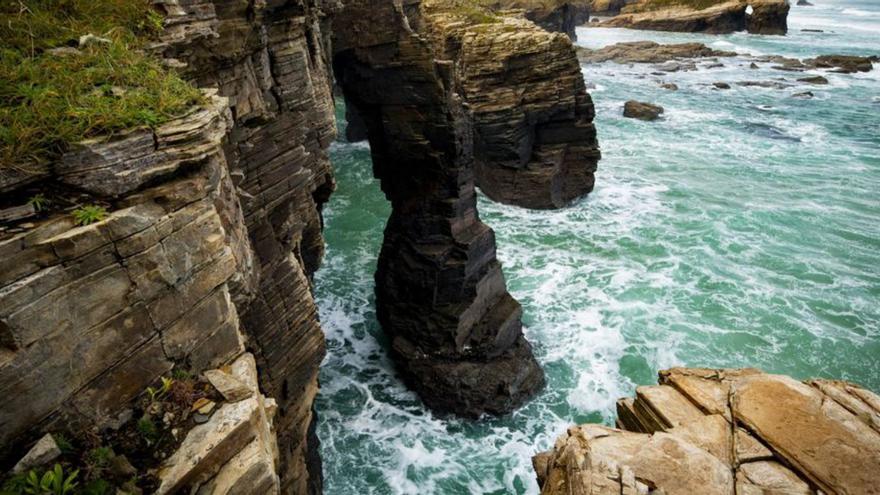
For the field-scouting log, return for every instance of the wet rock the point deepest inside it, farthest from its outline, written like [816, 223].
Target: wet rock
[753, 66]
[669, 86]
[806, 95]
[820, 434]
[721, 85]
[814, 80]
[648, 52]
[642, 111]
[43, 452]
[763, 84]
[846, 64]
[804, 3]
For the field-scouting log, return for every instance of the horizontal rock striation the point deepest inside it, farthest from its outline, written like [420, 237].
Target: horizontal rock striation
[455, 331]
[271, 60]
[724, 16]
[212, 235]
[534, 140]
[721, 432]
[648, 52]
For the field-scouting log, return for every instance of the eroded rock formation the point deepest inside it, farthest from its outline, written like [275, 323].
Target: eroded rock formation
[648, 52]
[534, 140]
[722, 432]
[724, 16]
[560, 16]
[455, 331]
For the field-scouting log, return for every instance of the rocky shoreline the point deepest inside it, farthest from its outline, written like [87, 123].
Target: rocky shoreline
[724, 431]
[722, 16]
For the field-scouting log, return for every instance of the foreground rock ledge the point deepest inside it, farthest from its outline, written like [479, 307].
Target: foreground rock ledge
[724, 432]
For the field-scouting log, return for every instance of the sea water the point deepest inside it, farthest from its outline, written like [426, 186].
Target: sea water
[742, 229]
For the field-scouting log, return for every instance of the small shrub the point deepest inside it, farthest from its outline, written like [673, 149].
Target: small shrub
[147, 428]
[39, 201]
[89, 214]
[52, 482]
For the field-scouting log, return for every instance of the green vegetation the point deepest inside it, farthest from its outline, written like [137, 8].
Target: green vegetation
[51, 482]
[472, 11]
[157, 393]
[39, 202]
[89, 214]
[54, 92]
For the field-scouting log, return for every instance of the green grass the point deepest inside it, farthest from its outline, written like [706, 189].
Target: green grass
[49, 101]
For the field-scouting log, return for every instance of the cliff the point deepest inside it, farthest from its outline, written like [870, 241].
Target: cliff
[560, 16]
[709, 16]
[724, 431]
[211, 233]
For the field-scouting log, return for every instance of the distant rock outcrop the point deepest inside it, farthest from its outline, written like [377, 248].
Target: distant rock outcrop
[648, 52]
[722, 16]
[721, 432]
[561, 16]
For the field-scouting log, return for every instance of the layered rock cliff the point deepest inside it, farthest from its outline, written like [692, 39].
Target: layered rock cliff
[560, 16]
[534, 140]
[212, 234]
[722, 16]
[722, 432]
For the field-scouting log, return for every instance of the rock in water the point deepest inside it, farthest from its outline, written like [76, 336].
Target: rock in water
[724, 431]
[814, 80]
[642, 111]
[720, 16]
[721, 85]
[804, 3]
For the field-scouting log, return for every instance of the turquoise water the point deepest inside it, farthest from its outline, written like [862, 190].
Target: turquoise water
[741, 230]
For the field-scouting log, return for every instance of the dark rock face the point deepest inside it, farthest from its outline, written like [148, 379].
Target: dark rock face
[534, 140]
[272, 62]
[642, 111]
[768, 17]
[455, 332]
[846, 64]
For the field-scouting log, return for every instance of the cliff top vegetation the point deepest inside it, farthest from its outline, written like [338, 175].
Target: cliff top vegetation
[76, 69]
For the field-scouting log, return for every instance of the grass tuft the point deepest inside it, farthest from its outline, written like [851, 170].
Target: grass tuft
[54, 93]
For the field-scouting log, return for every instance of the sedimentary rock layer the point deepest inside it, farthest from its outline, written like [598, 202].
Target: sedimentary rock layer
[725, 16]
[213, 233]
[455, 331]
[534, 140]
[725, 431]
[271, 60]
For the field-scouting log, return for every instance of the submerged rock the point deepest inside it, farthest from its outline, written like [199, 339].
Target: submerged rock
[721, 85]
[814, 80]
[642, 111]
[724, 431]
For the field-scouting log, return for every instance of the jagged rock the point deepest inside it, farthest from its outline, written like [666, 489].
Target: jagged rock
[648, 52]
[230, 387]
[642, 111]
[724, 431]
[723, 16]
[455, 331]
[534, 141]
[814, 80]
[43, 452]
[236, 446]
